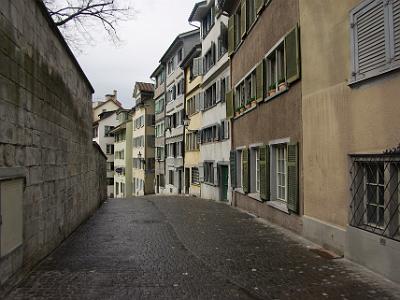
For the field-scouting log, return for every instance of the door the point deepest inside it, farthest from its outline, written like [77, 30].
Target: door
[157, 184]
[179, 181]
[187, 180]
[224, 183]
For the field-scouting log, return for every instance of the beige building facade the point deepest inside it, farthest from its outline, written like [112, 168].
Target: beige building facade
[192, 185]
[143, 160]
[351, 87]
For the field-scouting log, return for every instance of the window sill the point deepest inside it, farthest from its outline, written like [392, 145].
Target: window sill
[245, 112]
[255, 196]
[354, 83]
[210, 184]
[268, 98]
[278, 205]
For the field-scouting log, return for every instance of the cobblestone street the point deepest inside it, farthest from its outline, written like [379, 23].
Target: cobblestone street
[187, 248]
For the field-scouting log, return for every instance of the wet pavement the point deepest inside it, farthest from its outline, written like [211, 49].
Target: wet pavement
[188, 248]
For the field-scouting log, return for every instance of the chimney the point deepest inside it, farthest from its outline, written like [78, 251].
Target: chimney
[115, 94]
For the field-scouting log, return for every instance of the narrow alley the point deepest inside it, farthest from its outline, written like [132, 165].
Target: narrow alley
[189, 248]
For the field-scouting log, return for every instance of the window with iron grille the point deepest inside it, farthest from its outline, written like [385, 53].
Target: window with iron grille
[195, 176]
[375, 194]
[375, 36]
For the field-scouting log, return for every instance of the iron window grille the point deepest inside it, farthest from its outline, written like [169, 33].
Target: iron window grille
[375, 194]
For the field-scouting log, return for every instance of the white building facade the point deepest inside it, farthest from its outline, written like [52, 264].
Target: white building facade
[215, 127]
[175, 110]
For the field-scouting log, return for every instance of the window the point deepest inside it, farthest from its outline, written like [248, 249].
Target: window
[159, 106]
[117, 188]
[110, 166]
[107, 130]
[110, 181]
[160, 153]
[375, 49]
[223, 41]
[179, 149]
[160, 79]
[171, 150]
[180, 87]
[180, 55]
[210, 96]
[159, 130]
[251, 13]
[191, 142]
[193, 105]
[195, 176]
[137, 163]
[210, 134]
[122, 188]
[138, 142]
[171, 66]
[279, 174]
[208, 22]
[95, 132]
[209, 172]
[110, 149]
[171, 177]
[119, 154]
[276, 69]
[120, 136]
[375, 194]
[209, 58]
[238, 27]
[139, 122]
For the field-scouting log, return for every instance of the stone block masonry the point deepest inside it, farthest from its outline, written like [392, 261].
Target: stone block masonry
[46, 131]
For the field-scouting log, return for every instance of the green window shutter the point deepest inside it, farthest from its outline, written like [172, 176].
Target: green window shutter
[243, 22]
[260, 81]
[292, 50]
[259, 5]
[264, 173]
[293, 178]
[229, 105]
[245, 170]
[231, 35]
[232, 159]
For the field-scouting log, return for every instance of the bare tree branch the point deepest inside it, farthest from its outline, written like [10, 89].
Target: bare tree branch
[82, 17]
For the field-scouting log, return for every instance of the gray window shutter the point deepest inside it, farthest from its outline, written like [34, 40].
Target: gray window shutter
[201, 101]
[229, 105]
[292, 51]
[201, 65]
[396, 30]
[232, 159]
[264, 173]
[245, 170]
[293, 178]
[371, 43]
[201, 173]
[231, 35]
[260, 81]
[218, 91]
[195, 67]
[243, 15]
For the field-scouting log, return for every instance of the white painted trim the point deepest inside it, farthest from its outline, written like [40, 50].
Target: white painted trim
[257, 145]
[279, 141]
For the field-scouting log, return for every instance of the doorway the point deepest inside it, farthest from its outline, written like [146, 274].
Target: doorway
[187, 180]
[224, 177]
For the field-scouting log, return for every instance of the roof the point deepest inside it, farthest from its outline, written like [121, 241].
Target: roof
[113, 100]
[178, 39]
[61, 39]
[144, 86]
[195, 52]
[199, 10]
[157, 71]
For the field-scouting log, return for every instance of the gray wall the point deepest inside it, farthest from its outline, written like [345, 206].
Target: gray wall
[46, 130]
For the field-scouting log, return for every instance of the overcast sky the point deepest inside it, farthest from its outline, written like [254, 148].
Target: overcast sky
[146, 38]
